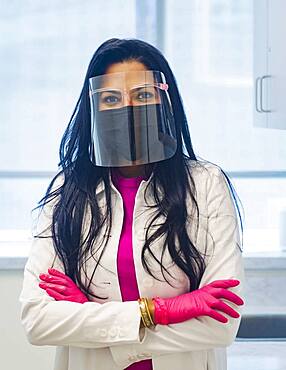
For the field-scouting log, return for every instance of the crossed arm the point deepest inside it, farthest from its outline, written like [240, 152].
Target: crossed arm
[117, 324]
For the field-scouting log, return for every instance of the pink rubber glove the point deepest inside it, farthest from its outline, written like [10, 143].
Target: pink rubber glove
[61, 287]
[200, 302]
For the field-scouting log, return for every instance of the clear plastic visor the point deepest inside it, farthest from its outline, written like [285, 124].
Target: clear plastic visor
[131, 118]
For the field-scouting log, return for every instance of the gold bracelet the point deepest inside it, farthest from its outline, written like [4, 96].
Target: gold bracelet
[151, 309]
[148, 311]
[142, 319]
[145, 314]
[142, 308]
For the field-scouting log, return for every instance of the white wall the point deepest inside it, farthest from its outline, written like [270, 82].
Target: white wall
[16, 351]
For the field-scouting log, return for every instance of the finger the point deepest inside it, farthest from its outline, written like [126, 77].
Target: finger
[42, 286]
[217, 316]
[219, 305]
[56, 295]
[227, 283]
[58, 273]
[71, 299]
[72, 291]
[57, 288]
[53, 279]
[227, 294]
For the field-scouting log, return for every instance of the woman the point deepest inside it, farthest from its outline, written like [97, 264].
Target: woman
[143, 238]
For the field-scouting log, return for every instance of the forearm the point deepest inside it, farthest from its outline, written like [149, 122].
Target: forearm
[197, 334]
[89, 325]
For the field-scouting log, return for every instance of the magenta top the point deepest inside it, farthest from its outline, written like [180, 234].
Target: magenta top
[128, 186]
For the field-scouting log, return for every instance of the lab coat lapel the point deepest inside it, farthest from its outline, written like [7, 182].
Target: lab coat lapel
[109, 257]
[107, 273]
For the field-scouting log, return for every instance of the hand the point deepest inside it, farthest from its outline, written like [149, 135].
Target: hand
[61, 287]
[200, 302]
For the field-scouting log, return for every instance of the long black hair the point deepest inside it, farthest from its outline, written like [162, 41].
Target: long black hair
[81, 178]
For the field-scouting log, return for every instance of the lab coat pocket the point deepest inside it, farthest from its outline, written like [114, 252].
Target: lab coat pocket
[169, 285]
[100, 284]
[102, 290]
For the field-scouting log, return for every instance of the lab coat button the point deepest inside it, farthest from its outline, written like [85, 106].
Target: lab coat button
[103, 332]
[132, 358]
[113, 332]
[122, 332]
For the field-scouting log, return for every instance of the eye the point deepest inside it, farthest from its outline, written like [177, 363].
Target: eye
[144, 95]
[110, 99]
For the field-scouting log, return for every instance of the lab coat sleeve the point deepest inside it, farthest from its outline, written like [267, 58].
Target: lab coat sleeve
[50, 322]
[226, 262]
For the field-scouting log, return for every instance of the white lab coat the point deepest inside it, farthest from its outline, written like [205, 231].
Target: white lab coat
[105, 335]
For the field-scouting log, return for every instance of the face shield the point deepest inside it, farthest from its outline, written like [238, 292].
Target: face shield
[132, 119]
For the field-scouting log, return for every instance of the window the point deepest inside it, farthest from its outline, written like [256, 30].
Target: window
[209, 45]
[44, 57]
